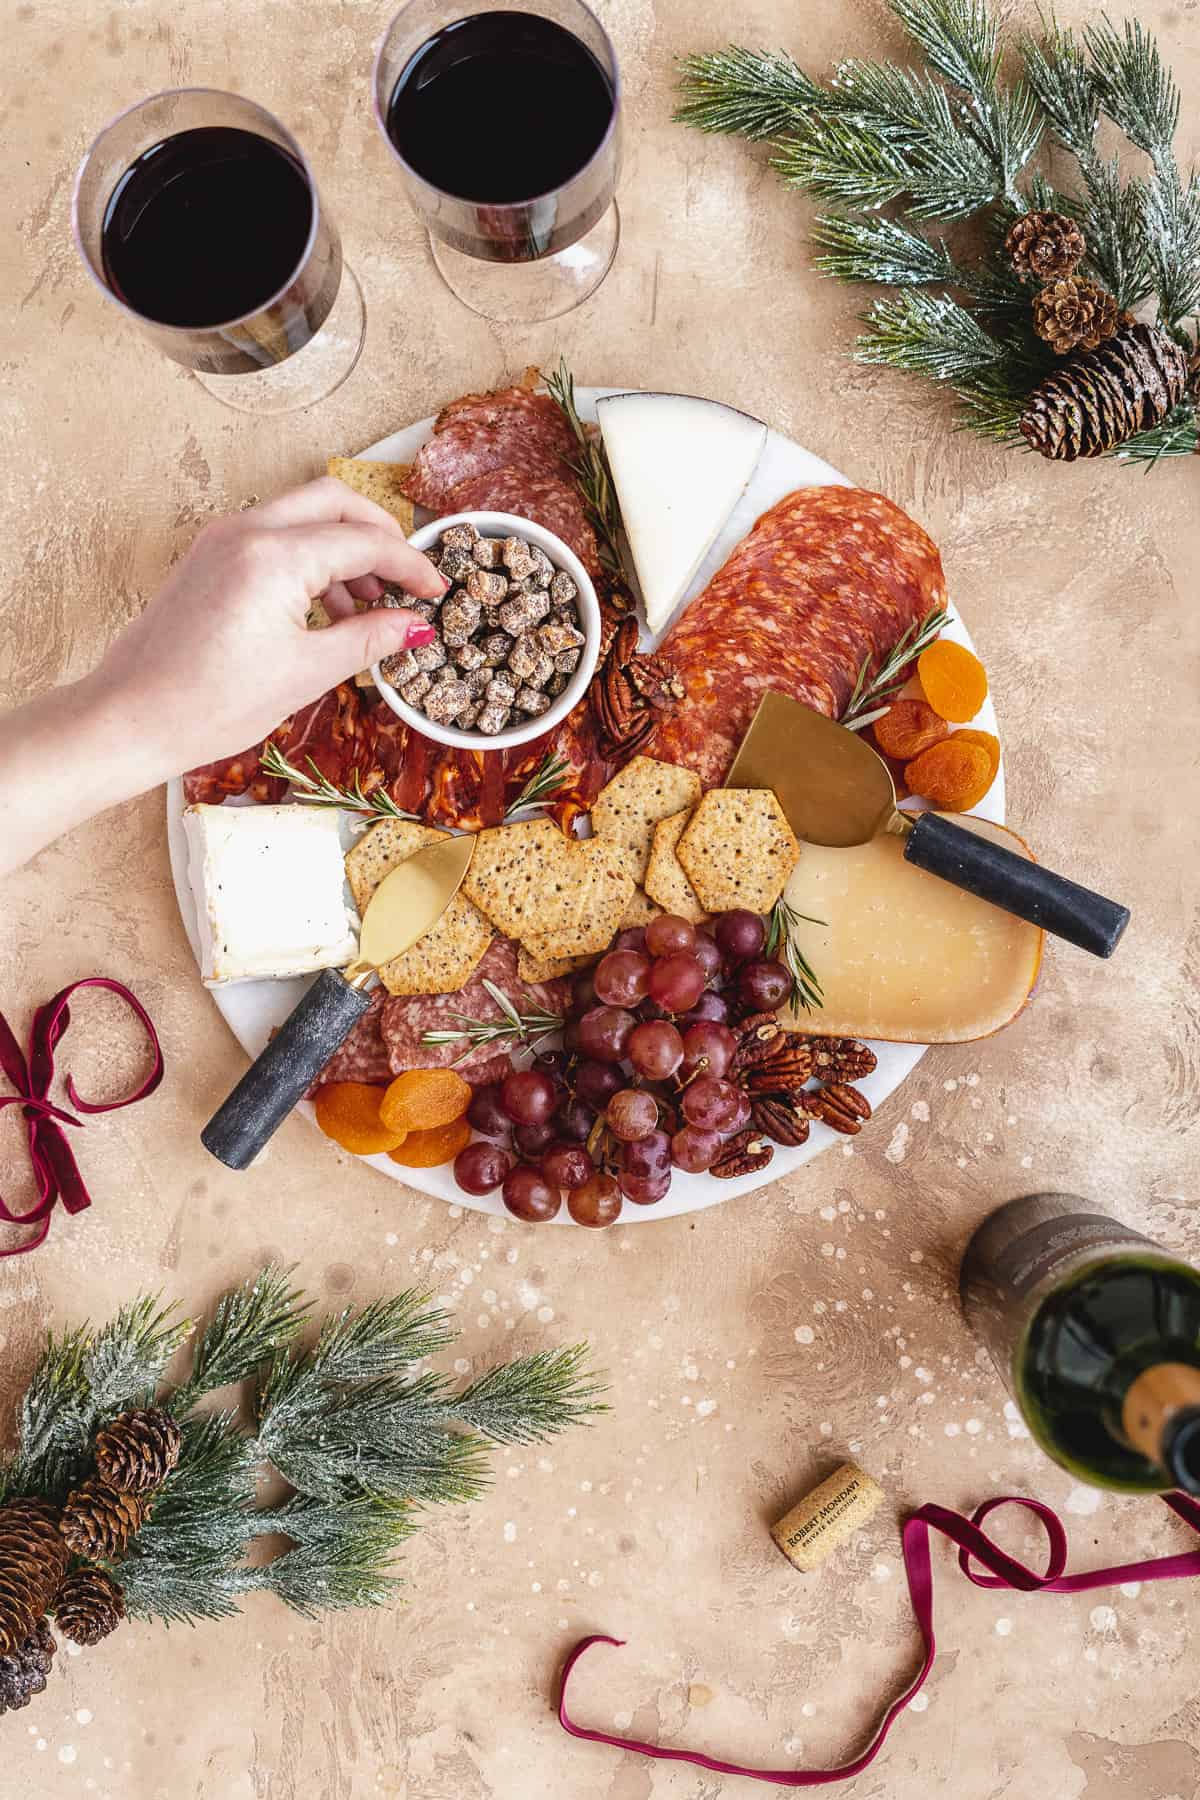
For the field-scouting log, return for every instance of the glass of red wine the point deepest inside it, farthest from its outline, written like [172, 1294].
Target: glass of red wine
[505, 126]
[197, 213]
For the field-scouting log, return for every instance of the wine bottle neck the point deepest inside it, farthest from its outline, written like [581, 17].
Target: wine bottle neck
[1161, 1418]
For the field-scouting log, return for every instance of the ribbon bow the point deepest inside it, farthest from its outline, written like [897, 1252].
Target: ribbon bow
[54, 1167]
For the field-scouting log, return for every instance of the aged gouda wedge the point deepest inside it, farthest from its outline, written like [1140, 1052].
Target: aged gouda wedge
[904, 956]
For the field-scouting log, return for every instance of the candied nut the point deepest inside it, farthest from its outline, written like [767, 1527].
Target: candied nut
[524, 656]
[502, 687]
[524, 612]
[469, 655]
[493, 717]
[485, 553]
[839, 1106]
[556, 638]
[532, 701]
[497, 648]
[565, 615]
[395, 597]
[402, 665]
[456, 564]
[744, 1154]
[563, 590]
[518, 558]
[778, 1117]
[413, 691]
[430, 656]
[543, 568]
[459, 618]
[445, 701]
[426, 609]
[842, 1059]
[556, 685]
[488, 589]
[476, 682]
[469, 715]
[459, 537]
[567, 661]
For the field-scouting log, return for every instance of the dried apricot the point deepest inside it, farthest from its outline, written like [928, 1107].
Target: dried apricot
[348, 1112]
[953, 680]
[426, 1149]
[952, 775]
[423, 1099]
[990, 743]
[907, 728]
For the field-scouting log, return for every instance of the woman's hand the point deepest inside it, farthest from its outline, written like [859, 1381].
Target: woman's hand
[222, 654]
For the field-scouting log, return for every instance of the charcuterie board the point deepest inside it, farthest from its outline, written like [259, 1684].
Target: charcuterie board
[254, 1009]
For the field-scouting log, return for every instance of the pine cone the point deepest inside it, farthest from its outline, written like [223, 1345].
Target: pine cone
[33, 1561]
[138, 1451]
[1045, 245]
[1099, 399]
[1074, 315]
[99, 1522]
[90, 1604]
[23, 1672]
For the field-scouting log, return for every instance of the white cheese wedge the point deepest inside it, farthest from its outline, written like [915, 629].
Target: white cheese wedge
[680, 465]
[269, 884]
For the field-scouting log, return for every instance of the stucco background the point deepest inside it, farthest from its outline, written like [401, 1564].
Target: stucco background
[751, 1347]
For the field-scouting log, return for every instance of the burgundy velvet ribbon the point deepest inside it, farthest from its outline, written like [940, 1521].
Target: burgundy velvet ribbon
[30, 1073]
[973, 1545]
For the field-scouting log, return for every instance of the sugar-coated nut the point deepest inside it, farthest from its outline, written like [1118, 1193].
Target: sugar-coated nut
[496, 647]
[565, 615]
[532, 701]
[469, 716]
[445, 701]
[556, 638]
[469, 656]
[556, 685]
[525, 611]
[524, 656]
[447, 672]
[502, 687]
[456, 564]
[493, 717]
[413, 691]
[567, 661]
[487, 553]
[476, 682]
[398, 597]
[543, 568]
[459, 617]
[430, 656]
[543, 669]
[426, 609]
[562, 589]
[489, 589]
[518, 558]
[400, 666]
[459, 537]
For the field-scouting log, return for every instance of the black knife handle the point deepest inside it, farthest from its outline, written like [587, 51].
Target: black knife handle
[1019, 886]
[285, 1071]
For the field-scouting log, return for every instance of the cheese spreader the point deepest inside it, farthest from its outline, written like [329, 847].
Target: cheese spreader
[836, 791]
[406, 904]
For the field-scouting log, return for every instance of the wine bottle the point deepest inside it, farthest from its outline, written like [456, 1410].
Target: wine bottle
[1096, 1332]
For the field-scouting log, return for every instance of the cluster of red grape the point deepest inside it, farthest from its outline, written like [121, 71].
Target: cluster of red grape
[641, 1083]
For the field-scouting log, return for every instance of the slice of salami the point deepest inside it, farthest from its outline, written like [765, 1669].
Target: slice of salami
[510, 406]
[549, 499]
[829, 579]
[467, 448]
[407, 1019]
[364, 1055]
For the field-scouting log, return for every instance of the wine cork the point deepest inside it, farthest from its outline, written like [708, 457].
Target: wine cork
[826, 1517]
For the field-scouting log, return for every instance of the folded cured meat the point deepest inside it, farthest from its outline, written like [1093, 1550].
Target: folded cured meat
[549, 499]
[482, 432]
[829, 579]
[406, 1019]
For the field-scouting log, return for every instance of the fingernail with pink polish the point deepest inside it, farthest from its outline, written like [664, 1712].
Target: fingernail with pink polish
[420, 632]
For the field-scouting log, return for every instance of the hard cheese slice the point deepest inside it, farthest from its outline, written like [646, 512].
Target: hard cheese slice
[680, 465]
[904, 956]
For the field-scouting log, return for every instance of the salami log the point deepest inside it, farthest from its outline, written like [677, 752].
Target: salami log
[829, 579]
[406, 1019]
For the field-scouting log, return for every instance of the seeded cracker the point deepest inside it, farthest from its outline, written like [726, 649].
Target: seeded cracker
[581, 916]
[531, 970]
[666, 883]
[377, 481]
[645, 791]
[738, 849]
[446, 957]
[640, 911]
[516, 871]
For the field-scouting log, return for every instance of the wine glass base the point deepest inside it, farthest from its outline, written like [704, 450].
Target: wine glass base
[522, 293]
[310, 375]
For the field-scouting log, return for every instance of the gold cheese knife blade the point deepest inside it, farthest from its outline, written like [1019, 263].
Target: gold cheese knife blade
[408, 902]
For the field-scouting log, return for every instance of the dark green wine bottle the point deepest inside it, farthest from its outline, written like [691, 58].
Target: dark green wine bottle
[1096, 1332]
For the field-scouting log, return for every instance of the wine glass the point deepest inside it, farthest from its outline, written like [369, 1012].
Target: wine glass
[196, 212]
[505, 127]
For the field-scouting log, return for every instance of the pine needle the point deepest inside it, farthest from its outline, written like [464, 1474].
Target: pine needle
[873, 694]
[511, 1028]
[755, 93]
[249, 1324]
[526, 1401]
[316, 789]
[591, 471]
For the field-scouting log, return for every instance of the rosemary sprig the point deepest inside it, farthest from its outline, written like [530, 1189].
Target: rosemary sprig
[591, 471]
[318, 790]
[872, 697]
[781, 925]
[530, 1028]
[547, 780]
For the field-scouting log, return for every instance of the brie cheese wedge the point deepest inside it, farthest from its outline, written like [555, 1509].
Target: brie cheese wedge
[679, 465]
[269, 885]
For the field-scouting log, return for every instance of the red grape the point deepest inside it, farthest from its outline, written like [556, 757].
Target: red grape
[574, 1119]
[743, 1112]
[528, 1098]
[529, 1196]
[570, 1033]
[708, 1006]
[649, 1156]
[676, 982]
[486, 1111]
[645, 1190]
[656, 1049]
[632, 1114]
[621, 978]
[604, 1033]
[669, 934]
[763, 985]
[707, 955]
[712, 1104]
[596, 1203]
[481, 1167]
[695, 1150]
[740, 935]
[597, 1082]
[632, 938]
[583, 991]
[707, 1046]
[531, 1140]
[567, 1166]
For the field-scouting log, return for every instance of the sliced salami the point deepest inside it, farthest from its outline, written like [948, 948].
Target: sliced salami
[406, 1020]
[829, 579]
[467, 449]
[364, 1055]
[550, 499]
[509, 406]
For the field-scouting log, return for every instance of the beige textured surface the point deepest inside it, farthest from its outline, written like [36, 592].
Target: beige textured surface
[753, 1347]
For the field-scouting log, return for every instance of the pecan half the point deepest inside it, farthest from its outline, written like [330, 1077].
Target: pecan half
[778, 1116]
[745, 1153]
[756, 1036]
[785, 1068]
[839, 1106]
[631, 693]
[841, 1059]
